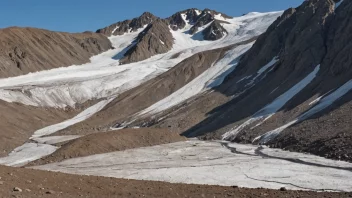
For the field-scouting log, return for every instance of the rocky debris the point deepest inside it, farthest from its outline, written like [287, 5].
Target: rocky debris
[155, 39]
[24, 50]
[214, 31]
[50, 192]
[17, 189]
[127, 26]
[297, 38]
[1, 183]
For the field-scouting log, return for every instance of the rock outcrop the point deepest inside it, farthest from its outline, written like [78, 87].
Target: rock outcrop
[177, 21]
[24, 50]
[127, 26]
[214, 31]
[155, 39]
[205, 18]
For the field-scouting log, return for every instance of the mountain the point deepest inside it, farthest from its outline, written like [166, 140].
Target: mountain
[248, 88]
[155, 31]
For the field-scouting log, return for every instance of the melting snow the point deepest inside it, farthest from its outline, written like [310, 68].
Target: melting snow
[27, 153]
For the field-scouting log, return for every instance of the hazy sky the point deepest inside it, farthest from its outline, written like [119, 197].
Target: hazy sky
[82, 15]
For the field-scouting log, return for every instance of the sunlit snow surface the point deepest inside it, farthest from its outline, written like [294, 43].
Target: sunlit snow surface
[27, 153]
[104, 77]
[198, 162]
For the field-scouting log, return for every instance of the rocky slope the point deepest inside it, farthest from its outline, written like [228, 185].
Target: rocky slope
[24, 50]
[214, 31]
[156, 38]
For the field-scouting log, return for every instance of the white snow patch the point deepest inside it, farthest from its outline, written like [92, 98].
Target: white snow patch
[273, 107]
[27, 153]
[219, 17]
[198, 12]
[114, 30]
[198, 162]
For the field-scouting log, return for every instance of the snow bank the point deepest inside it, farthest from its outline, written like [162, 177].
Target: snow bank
[27, 153]
[198, 162]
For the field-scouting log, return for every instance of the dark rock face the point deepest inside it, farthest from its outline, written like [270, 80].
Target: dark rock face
[204, 18]
[339, 47]
[176, 21]
[214, 31]
[24, 50]
[155, 39]
[133, 25]
[297, 37]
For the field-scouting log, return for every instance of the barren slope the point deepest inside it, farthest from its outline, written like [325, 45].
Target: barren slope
[24, 50]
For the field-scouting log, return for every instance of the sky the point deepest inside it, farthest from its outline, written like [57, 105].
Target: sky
[90, 15]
